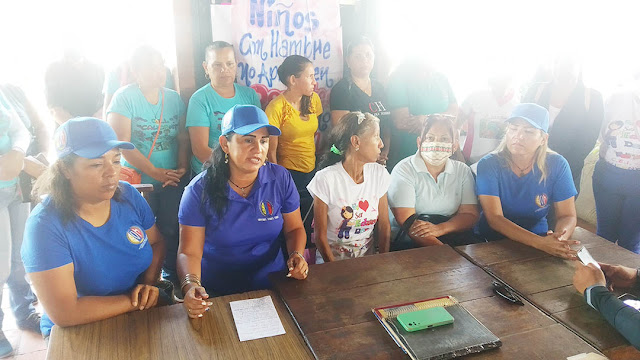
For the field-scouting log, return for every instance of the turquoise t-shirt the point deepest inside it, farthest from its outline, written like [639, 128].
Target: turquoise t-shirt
[422, 97]
[130, 102]
[7, 116]
[206, 108]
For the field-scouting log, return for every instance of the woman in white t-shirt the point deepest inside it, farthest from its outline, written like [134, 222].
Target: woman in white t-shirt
[350, 192]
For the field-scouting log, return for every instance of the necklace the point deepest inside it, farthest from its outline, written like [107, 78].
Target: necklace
[522, 171]
[151, 107]
[241, 187]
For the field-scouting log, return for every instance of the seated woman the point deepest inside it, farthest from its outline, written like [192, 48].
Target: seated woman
[231, 216]
[350, 193]
[295, 112]
[91, 248]
[518, 183]
[431, 196]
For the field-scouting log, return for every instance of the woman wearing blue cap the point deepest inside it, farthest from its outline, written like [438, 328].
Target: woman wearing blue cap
[521, 180]
[231, 216]
[91, 248]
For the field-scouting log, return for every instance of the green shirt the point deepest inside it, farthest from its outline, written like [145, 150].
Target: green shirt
[129, 102]
[207, 108]
[422, 96]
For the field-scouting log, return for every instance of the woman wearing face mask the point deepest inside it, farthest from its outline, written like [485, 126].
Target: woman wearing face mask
[519, 183]
[350, 193]
[432, 197]
[232, 214]
[152, 118]
[208, 105]
[295, 112]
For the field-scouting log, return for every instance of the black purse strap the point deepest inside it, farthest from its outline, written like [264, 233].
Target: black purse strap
[405, 227]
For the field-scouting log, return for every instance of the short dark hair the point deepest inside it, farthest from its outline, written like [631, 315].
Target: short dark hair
[216, 45]
[75, 85]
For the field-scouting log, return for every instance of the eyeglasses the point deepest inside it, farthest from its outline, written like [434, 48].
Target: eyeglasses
[503, 291]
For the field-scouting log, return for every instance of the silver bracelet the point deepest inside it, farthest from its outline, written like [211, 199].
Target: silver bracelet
[297, 253]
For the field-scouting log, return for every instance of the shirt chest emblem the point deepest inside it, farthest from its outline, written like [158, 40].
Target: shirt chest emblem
[266, 210]
[137, 236]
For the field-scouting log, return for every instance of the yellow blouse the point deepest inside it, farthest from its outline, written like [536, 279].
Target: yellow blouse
[296, 146]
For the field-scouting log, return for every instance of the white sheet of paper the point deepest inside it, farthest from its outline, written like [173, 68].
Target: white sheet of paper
[256, 318]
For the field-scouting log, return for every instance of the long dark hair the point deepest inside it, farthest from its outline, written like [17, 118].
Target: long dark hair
[56, 185]
[218, 174]
[360, 40]
[294, 65]
[341, 134]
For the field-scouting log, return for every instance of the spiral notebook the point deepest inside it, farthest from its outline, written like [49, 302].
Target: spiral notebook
[465, 336]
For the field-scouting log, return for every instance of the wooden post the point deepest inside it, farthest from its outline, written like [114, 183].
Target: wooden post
[192, 20]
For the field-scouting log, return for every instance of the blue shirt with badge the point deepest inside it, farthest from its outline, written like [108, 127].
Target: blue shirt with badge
[207, 108]
[525, 200]
[244, 246]
[107, 260]
[129, 101]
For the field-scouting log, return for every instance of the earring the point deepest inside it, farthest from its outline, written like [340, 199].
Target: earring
[226, 158]
[357, 148]
[206, 75]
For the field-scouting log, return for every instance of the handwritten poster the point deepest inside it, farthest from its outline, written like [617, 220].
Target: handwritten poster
[265, 32]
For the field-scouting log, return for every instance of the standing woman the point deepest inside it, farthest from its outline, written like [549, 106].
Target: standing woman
[575, 113]
[350, 192]
[520, 182]
[358, 92]
[14, 142]
[295, 112]
[91, 248]
[414, 91]
[208, 105]
[232, 214]
[152, 118]
[616, 178]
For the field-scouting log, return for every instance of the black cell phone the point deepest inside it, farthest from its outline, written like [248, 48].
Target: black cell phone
[630, 300]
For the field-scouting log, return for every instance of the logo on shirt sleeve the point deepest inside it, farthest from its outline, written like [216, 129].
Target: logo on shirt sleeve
[137, 236]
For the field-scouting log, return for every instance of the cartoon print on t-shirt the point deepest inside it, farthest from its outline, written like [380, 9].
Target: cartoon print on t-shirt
[345, 228]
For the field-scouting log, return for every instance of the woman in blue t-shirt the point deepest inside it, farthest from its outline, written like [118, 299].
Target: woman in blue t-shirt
[231, 216]
[152, 118]
[518, 183]
[91, 248]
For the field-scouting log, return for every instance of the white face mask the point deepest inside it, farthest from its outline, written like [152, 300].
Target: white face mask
[436, 153]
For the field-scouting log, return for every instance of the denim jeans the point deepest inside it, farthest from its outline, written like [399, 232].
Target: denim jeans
[164, 203]
[617, 195]
[13, 215]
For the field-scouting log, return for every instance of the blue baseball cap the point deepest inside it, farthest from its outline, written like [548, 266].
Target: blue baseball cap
[534, 114]
[245, 119]
[87, 137]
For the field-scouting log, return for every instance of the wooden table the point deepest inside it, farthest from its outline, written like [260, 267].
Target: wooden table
[333, 306]
[546, 281]
[167, 333]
